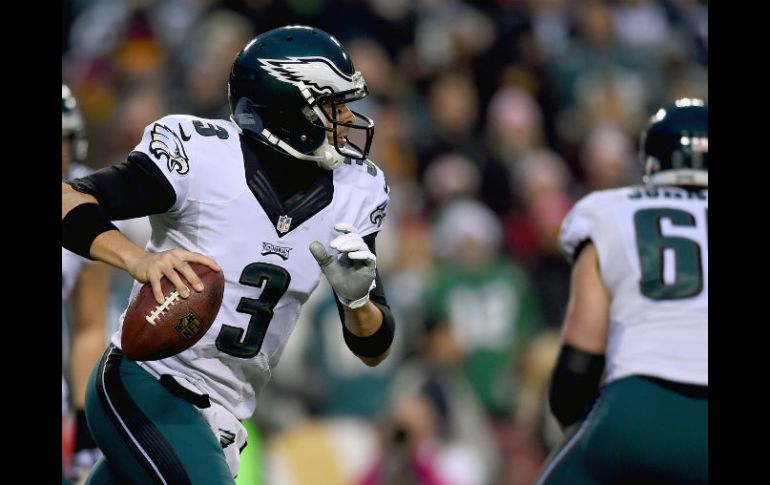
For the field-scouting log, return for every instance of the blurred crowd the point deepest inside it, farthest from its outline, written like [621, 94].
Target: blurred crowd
[492, 118]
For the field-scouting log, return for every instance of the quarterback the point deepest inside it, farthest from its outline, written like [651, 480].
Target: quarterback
[631, 382]
[273, 197]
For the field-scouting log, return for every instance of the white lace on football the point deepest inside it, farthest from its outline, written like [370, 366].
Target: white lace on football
[162, 308]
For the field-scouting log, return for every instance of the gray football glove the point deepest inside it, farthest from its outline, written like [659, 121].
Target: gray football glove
[352, 272]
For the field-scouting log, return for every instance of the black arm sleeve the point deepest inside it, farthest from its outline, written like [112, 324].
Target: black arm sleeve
[574, 383]
[376, 296]
[134, 188]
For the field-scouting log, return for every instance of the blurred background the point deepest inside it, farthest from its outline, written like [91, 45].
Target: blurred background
[492, 119]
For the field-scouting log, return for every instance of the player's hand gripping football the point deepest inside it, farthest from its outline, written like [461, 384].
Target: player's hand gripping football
[153, 266]
[351, 273]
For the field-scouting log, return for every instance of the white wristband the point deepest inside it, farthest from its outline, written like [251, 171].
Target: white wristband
[354, 303]
[361, 301]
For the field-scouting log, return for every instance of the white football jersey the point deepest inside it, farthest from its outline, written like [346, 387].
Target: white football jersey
[71, 266]
[268, 268]
[652, 244]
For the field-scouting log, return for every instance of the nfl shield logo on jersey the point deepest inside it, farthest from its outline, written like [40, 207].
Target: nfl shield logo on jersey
[284, 223]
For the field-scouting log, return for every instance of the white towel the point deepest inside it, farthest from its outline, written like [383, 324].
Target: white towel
[229, 431]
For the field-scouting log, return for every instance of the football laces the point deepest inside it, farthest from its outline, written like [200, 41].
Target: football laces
[159, 310]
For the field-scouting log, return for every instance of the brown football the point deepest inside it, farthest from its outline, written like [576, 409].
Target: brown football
[152, 331]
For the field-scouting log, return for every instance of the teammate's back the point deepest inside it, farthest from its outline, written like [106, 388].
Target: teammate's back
[632, 372]
[652, 247]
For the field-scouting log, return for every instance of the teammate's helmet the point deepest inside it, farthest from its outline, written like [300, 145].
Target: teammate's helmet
[279, 84]
[72, 124]
[675, 146]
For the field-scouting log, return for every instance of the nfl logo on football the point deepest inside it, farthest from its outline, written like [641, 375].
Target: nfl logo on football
[284, 223]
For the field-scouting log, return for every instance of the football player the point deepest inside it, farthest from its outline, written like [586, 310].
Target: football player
[84, 293]
[631, 382]
[273, 197]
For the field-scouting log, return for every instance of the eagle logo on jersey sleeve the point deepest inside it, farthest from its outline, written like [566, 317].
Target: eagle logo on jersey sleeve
[378, 214]
[316, 72]
[166, 143]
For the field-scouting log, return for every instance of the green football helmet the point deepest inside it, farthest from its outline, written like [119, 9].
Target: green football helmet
[674, 148]
[72, 124]
[278, 87]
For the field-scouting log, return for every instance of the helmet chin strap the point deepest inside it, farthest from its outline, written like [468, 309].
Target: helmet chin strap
[325, 155]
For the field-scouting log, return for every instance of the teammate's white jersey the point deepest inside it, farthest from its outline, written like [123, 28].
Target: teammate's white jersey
[71, 266]
[652, 245]
[268, 268]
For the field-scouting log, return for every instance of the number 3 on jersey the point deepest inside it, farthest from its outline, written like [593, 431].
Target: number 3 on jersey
[653, 245]
[274, 282]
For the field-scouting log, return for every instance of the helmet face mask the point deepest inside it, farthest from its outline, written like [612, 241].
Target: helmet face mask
[332, 124]
[287, 88]
[674, 148]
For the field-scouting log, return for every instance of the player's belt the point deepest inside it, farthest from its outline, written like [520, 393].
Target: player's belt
[693, 391]
[200, 401]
